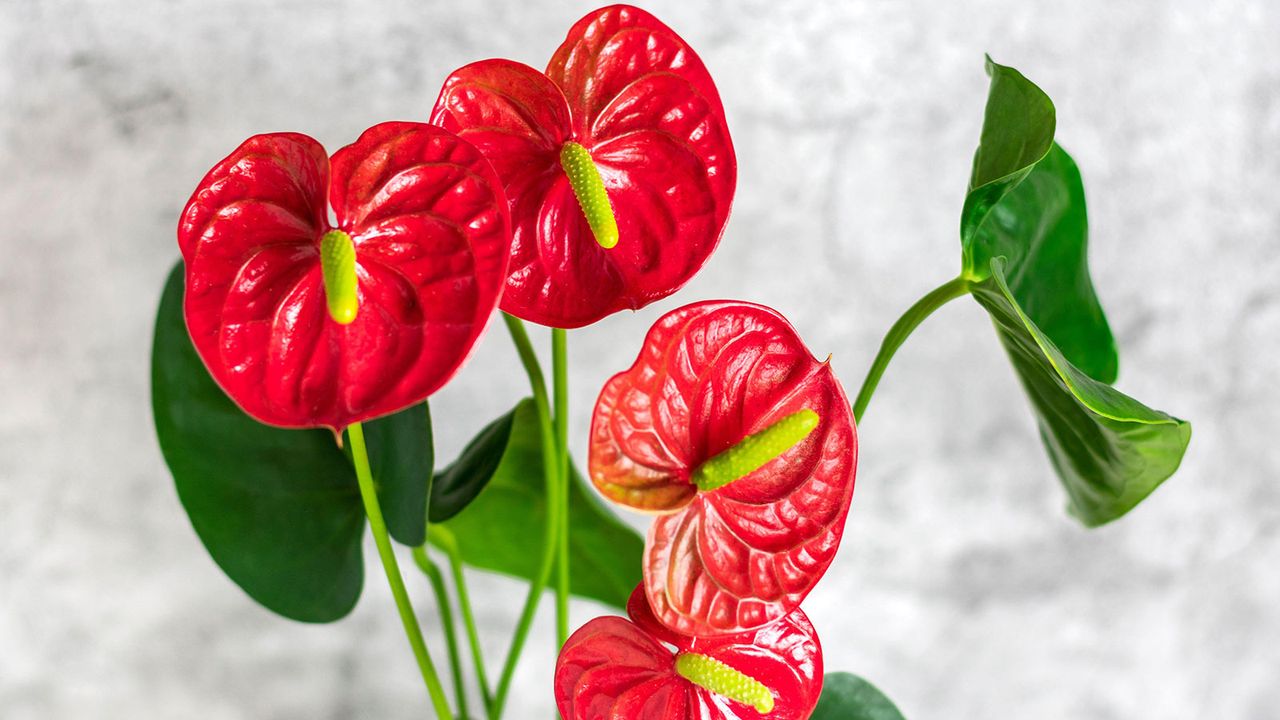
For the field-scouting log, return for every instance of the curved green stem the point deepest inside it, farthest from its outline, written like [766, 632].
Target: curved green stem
[898, 334]
[444, 539]
[432, 571]
[378, 527]
[530, 361]
[560, 370]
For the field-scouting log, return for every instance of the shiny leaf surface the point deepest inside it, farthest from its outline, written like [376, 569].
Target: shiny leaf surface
[430, 228]
[1024, 238]
[618, 668]
[849, 697]
[709, 375]
[502, 529]
[637, 97]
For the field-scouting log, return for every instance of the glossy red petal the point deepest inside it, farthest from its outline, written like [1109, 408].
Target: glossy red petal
[429, 222]
[612, 668]
[642, 103]
[708, 375]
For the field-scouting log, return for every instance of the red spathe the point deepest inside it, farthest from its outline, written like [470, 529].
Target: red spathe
[430, 227]
[634, 94]
[617, 668]
[708, 375]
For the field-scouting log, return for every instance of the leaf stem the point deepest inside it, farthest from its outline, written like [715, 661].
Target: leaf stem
[560, 369]
[378, 526]
[444, 539]
[432, 571]
[530, 361]
[898, 334]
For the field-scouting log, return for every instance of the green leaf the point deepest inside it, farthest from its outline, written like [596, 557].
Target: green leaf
[1110, 450]
[849, 697]
[1024, 238]
[502, 530]
[401, 457]
[279, 510]
[457, 485]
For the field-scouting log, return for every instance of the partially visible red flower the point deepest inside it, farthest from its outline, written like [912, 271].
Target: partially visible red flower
[428, 221]
[637, 98]
[614, 668]
[708, 376]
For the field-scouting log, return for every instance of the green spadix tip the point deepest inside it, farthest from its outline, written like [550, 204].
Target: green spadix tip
[338, 267]
[755, 451]
[588, 187]
[722, 679]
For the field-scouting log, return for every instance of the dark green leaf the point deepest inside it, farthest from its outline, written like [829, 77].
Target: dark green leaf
[401, 457]
[1024, 235]
[502, 530]
[457, 485]
[279, 510]
[1110, 450]
[849, 697]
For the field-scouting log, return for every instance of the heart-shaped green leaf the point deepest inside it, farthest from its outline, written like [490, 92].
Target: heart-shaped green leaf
[457, 485]
[502, 529]
[1024, 233]
[279, 510]
[849, 697]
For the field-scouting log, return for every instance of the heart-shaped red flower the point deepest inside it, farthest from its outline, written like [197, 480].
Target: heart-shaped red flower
[632, 93]
[429, 224]
[616, 669]
[708, 376]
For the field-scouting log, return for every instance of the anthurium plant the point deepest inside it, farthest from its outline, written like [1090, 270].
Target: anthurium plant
[321, 299]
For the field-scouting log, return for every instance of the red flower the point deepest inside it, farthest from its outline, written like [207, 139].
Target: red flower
[616, 669]
[720, 390]
[629, 91]
[427, 220]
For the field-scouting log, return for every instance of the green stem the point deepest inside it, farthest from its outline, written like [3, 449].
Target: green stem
[530, 361]
[444, 539]
[898, 334]
[378, 527]
[433, 574]
[560, 369]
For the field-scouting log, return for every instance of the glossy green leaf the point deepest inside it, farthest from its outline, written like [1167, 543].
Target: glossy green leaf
[401, 457]
[457, 485]
[502, 529]
[1110, 450]
[849, 697]
[1024, 235]
[279, 510]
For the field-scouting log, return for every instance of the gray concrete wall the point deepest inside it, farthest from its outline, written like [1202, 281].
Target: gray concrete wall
[962, 588]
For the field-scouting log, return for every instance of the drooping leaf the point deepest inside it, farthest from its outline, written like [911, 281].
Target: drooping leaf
[457, 485]
[401, 456]
[278, 510]
[1024, 234]
[849, 697]
[1110, 450]
[502, 529]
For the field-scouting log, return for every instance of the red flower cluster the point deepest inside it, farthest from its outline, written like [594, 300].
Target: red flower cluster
[562, 196]
[746, 444]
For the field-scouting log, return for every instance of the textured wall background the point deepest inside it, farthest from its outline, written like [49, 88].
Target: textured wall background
[962, 588]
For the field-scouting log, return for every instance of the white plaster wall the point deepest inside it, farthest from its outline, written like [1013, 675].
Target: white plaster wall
[962, 588]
